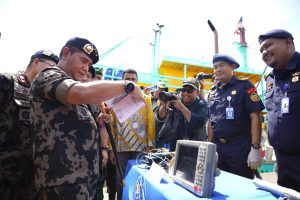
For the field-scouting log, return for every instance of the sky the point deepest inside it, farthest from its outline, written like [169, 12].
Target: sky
[32, 25]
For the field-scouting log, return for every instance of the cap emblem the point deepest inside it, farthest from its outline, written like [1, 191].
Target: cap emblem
[88, 48]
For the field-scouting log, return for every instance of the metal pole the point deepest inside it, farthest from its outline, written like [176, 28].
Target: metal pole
[113, 144]
[215, 35]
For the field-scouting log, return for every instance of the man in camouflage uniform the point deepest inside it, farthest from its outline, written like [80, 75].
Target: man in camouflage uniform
[15, 150]
[66, 139]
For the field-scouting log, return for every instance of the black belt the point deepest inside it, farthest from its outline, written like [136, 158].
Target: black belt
[223, 139]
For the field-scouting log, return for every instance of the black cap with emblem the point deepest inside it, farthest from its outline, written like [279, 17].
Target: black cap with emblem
[86, 47]
[45, 54]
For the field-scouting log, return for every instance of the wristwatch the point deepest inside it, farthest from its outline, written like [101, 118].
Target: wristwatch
[105, 148]
[128, 87]
[256, 146]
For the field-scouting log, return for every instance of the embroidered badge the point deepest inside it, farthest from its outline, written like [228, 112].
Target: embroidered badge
[251, 90]
[254, 97]
[47, 53]
[269, 86]
[295, 79]
[23, 79]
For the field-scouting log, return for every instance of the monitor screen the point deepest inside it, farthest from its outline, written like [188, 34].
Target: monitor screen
[186, 162]
[194, 166]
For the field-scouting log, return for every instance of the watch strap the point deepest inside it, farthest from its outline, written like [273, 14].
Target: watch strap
[256, 146]
[105, 148]
[128, 87]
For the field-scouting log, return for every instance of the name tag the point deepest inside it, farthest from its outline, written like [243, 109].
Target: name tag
[285, 105]
[229, 113]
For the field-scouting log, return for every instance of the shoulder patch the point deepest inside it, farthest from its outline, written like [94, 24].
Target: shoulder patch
[251, 90]
[254, 97]
[22, 78]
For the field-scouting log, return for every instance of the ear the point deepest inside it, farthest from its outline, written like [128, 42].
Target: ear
[233, 67]
[65, 53]
[289, 42]
[35, 61]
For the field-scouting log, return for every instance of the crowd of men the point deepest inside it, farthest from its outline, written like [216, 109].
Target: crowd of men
[55, 126]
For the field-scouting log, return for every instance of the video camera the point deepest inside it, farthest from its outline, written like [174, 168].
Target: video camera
[166, 96]
[202, 76]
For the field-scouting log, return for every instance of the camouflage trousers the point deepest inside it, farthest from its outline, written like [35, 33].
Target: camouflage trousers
[77, 191]
[13, 191]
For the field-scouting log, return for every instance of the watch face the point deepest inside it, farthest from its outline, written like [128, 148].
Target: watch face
[256, 146]
[129, 87]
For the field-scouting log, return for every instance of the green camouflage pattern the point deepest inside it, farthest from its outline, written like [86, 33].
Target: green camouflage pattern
[15, 147]
[65, 137]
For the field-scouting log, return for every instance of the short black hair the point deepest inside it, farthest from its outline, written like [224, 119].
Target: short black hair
[129, 71]
[71, 48]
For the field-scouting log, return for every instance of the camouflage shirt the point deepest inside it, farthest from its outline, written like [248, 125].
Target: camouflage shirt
[15, 149]
[66, 143]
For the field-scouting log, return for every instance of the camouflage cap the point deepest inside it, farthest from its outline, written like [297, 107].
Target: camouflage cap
[86, 47]
[46, 54]
[161, 85]
[191, 82]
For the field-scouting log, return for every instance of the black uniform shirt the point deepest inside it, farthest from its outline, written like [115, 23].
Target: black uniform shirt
[244, 101]
[283, 129]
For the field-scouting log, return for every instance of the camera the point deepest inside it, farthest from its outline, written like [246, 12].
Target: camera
[202, 76]
[166, 96]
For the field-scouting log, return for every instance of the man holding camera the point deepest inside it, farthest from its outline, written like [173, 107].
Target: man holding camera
[190, 112]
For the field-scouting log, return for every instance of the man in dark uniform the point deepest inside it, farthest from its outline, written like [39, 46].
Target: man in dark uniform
[235, 117]
[283, 103]
[66, 139]
[15, 139]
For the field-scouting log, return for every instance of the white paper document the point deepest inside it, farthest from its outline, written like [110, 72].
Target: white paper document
[125, 107]
[156, 172]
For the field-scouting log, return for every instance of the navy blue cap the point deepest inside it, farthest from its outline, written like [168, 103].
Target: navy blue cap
[225, 58]
[275, 33]
[46, 54]
[92, 71]
[86, 47]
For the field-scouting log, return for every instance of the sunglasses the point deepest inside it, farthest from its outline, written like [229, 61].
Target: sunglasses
[188, 90]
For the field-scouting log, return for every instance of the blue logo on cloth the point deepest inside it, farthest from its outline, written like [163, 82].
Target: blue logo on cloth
[137, 190]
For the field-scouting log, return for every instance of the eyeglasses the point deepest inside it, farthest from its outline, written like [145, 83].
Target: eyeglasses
[188, 90]
[50, 64]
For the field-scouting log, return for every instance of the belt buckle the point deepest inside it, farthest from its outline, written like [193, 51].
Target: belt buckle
[222, 140]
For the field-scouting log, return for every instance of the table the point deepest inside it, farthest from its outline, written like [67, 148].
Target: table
[139, 185]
